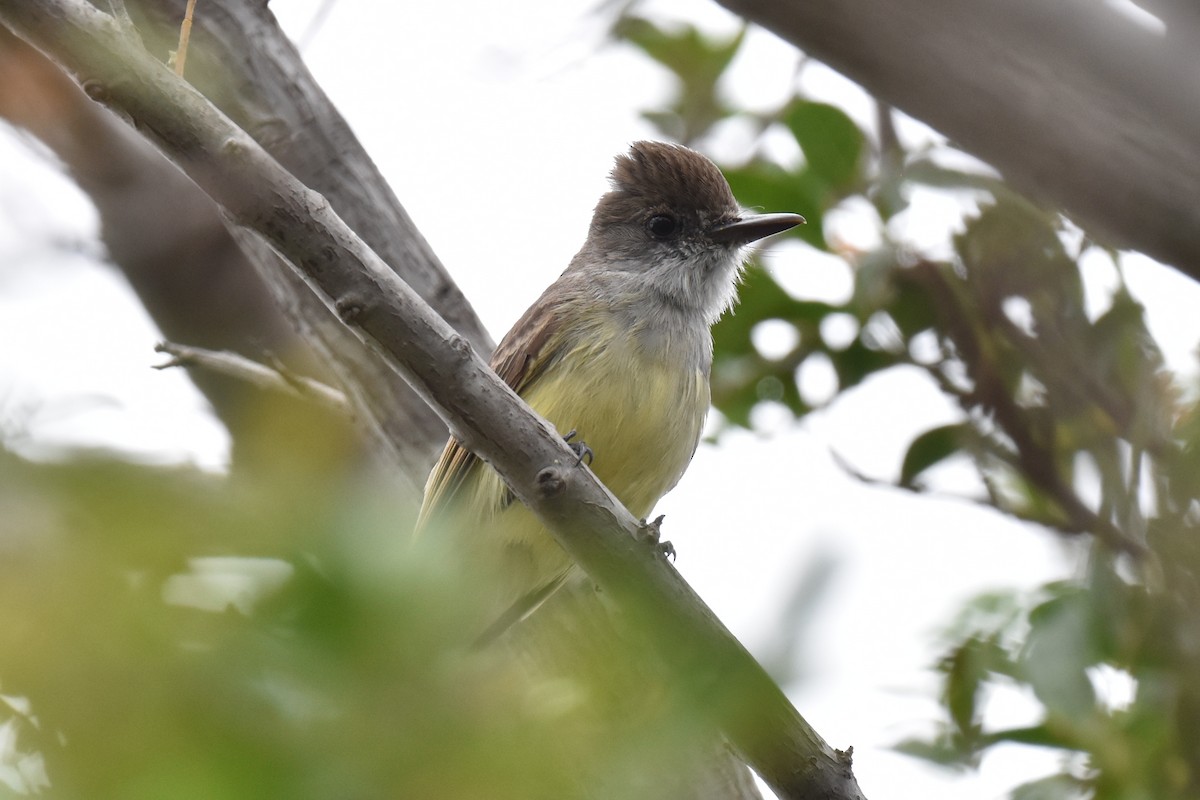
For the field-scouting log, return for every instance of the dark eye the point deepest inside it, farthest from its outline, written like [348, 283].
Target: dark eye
[661, 226]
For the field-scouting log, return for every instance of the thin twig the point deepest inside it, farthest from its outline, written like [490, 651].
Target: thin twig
[1032, 458]
[275, 377]
[1072, 527]
[315, 24]
[889, 141]
[185, 35]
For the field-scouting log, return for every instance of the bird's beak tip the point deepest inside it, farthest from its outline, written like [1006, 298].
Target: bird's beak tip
[751, 229]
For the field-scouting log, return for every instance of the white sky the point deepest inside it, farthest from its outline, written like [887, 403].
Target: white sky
[496, 124]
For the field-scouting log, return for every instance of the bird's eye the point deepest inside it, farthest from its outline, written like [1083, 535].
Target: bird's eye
[661, 226]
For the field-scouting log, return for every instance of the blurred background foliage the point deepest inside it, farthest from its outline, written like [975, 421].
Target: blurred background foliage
[171, 634]
[1070, 420]
[273, 636]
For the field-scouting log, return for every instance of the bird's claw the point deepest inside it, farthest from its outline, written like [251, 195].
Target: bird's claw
[580, 449]
[651, 534]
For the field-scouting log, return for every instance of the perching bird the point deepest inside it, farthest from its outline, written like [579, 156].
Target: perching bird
[617, 350]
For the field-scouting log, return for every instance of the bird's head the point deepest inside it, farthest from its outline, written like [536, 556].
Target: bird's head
[671, 224]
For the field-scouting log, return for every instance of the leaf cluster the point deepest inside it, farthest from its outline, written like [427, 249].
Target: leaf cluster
[1069, 419]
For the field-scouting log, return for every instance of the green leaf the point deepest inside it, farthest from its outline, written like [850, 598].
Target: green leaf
[1036, 735]
[942, 751]
[832, 143]
[1013, 249]
[1057, 652]
[858, 362]
[685, 51]
[965, 670]
[930, 448]
[910, 307]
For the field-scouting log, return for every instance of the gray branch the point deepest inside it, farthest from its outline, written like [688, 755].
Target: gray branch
[1073, 102]
[264, 199]
[167, 236]
[242, 59]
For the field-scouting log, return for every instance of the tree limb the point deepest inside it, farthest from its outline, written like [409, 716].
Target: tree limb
[188, 271]
[242, 60]
[159, 229]
[1076, 104]
[261, 196]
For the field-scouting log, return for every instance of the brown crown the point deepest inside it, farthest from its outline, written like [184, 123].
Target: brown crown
[667, 175]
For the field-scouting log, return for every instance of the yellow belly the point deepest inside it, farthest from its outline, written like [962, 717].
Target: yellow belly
[640, 414]
[641, 419]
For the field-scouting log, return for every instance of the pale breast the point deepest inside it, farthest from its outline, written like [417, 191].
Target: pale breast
[641, 411]
[639, 408]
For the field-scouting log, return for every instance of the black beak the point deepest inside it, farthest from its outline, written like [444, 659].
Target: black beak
[751, 229]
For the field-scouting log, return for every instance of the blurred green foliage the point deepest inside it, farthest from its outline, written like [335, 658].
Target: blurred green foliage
[1058, 404]
[165, 633]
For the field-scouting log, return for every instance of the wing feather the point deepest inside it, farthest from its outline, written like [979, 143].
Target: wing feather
[519, 359]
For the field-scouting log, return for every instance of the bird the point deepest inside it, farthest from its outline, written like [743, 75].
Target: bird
[616, 354]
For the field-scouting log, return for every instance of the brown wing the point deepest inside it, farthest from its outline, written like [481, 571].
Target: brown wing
[519, 359]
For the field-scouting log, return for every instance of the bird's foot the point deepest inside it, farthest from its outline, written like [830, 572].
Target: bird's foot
[580, 448]
[651, 534]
